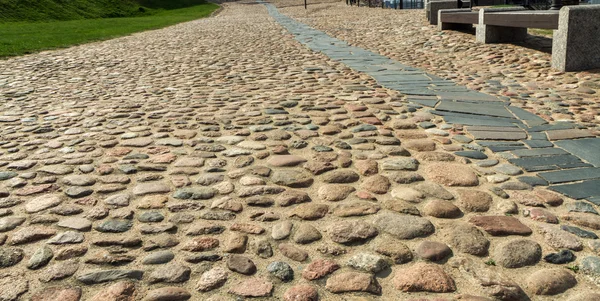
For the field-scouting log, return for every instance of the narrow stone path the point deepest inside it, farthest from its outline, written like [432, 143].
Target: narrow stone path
[566, 156]
[222, 159]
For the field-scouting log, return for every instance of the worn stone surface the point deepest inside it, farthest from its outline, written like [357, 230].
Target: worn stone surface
[353, 282]
[368, 262]
[168, 293]
[441, 209]
[120, 291]
[518, 253]
[468, 239]
[301, 292]
[474, 200]
[551, 281]
[404, 226]
[433, 251]
[147, 166]
[397, 251]
[281, 270]
[212, 279]
[451, 174]
[253, 287]
[170, 273]
[422, 277]
[319, 269]
[501, 225]
[58, 293]
[10, 256]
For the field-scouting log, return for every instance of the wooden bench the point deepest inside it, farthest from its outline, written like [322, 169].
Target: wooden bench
[544, 19]
[457, 19]
[576, 39]
[432, 7]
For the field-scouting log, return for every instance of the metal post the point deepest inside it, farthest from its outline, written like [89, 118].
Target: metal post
[305, 4]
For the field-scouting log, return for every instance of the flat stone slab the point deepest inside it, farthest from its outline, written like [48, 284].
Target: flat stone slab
[586, 149]
[581, 190]
[594, 200]
[468, 96]
[538, 143]
[494, 129]
[551, 127]
[404, 226]
[501, 225]
[502, 146]
[550, 151]
[549, 162]
[428, 102]
[530, 118]
[470, 119]
[571, 175]
[568, 134]
[497, 135]
[487, 109]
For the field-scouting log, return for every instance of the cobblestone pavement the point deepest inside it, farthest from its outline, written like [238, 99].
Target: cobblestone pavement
[519, 73]
[222, 159]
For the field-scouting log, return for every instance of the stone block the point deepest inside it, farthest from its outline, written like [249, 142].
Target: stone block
[586, 149]
[434, 6]
[576, 43]
[568, 134]
[497, 34]
[452, 26]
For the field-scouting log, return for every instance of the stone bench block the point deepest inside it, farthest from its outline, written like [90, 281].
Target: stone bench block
[434, 6]
[455, 25]
[576, 43]
[498, 34]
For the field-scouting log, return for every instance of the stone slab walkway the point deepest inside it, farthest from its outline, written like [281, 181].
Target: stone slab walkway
[541, 145]
[224, 159]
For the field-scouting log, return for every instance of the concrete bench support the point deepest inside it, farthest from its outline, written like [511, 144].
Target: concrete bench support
[456, 19]
[576, 43]
[497, 34]
[433, 6]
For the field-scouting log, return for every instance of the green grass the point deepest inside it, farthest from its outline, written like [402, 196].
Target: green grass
[48, 10]
[37, 32]
[62, 10]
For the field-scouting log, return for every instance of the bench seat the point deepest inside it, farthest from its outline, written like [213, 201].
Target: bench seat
[467, 17]
[543, 19]
[576, 39]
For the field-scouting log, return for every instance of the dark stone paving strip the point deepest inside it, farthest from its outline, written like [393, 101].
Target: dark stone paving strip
[538, 143]
[470, 119]
[529, 118]
[594, 199]
[571, 175]
[586, 149]
[525, 134]
[549, 151]
[494, 109]
[548, 162]
[578, 191]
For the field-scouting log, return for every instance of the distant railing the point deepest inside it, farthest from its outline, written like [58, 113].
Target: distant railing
[389, 4]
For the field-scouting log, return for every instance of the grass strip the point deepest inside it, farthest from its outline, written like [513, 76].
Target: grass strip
[17, 38]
